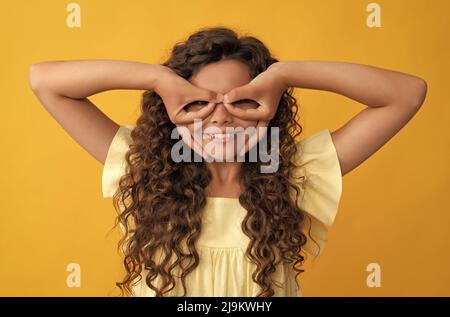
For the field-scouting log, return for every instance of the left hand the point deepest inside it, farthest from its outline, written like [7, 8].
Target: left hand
[266, 89]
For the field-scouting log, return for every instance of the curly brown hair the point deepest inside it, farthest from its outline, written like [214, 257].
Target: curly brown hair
[160, 201]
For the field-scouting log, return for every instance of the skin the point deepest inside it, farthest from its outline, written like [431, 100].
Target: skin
[222, 77]
[391, 98]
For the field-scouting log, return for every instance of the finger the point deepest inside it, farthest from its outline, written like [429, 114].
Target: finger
[200, 94]
[205, 95]
[184, 117]
[243, 92]
[259, 113]
[261, 130]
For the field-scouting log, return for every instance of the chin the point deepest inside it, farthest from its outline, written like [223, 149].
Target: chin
[221, 154]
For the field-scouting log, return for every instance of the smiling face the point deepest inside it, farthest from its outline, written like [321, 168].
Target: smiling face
[221, 77]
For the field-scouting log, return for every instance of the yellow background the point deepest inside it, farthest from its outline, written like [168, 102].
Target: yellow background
[394, 209]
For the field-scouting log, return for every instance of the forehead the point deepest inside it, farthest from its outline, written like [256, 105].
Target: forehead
[222, 76]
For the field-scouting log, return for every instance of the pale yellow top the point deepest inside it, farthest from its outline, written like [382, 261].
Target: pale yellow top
[224, 270]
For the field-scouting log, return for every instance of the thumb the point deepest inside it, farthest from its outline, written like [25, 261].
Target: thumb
[208, 95]
[233, 95]
[237, 94]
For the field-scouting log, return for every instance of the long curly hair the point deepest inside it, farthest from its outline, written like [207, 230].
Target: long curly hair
[159, 201]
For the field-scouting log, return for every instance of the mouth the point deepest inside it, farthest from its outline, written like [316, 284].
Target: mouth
[219, 137]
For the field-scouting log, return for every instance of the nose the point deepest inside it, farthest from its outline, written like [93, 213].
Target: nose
[220, 115]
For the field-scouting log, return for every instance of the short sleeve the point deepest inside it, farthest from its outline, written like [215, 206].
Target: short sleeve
[321, 187]
[115, 163]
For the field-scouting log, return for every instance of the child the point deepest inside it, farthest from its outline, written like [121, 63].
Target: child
[211, 227]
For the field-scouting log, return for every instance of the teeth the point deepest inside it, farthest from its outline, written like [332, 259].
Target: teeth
[218, 136]
[222, 136]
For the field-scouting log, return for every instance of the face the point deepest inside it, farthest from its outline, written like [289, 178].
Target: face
[221, 77]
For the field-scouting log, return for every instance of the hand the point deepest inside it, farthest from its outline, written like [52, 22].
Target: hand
[177, 92]
[266, 89]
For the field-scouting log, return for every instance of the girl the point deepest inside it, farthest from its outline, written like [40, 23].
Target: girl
[214, 228]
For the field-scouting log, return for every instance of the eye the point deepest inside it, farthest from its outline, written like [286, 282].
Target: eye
[196, 105]
[201, 102]
[246, 103]
[198, 102]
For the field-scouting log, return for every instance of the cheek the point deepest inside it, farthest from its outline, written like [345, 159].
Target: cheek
[189, 127]
[185, 132]
[245, 124]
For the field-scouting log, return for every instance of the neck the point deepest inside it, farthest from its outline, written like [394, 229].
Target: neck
[225, 179]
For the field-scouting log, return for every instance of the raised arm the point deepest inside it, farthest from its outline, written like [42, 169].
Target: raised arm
[392, 98]
[63, 87]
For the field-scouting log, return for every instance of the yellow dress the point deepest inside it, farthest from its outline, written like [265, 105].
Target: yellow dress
[224, 270]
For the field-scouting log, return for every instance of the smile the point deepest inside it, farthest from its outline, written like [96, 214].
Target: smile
[222, 137]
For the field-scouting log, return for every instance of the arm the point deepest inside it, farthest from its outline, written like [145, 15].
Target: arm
[63, 87]
[392, 98]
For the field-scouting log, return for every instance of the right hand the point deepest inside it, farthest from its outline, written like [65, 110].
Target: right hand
[177, 92]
